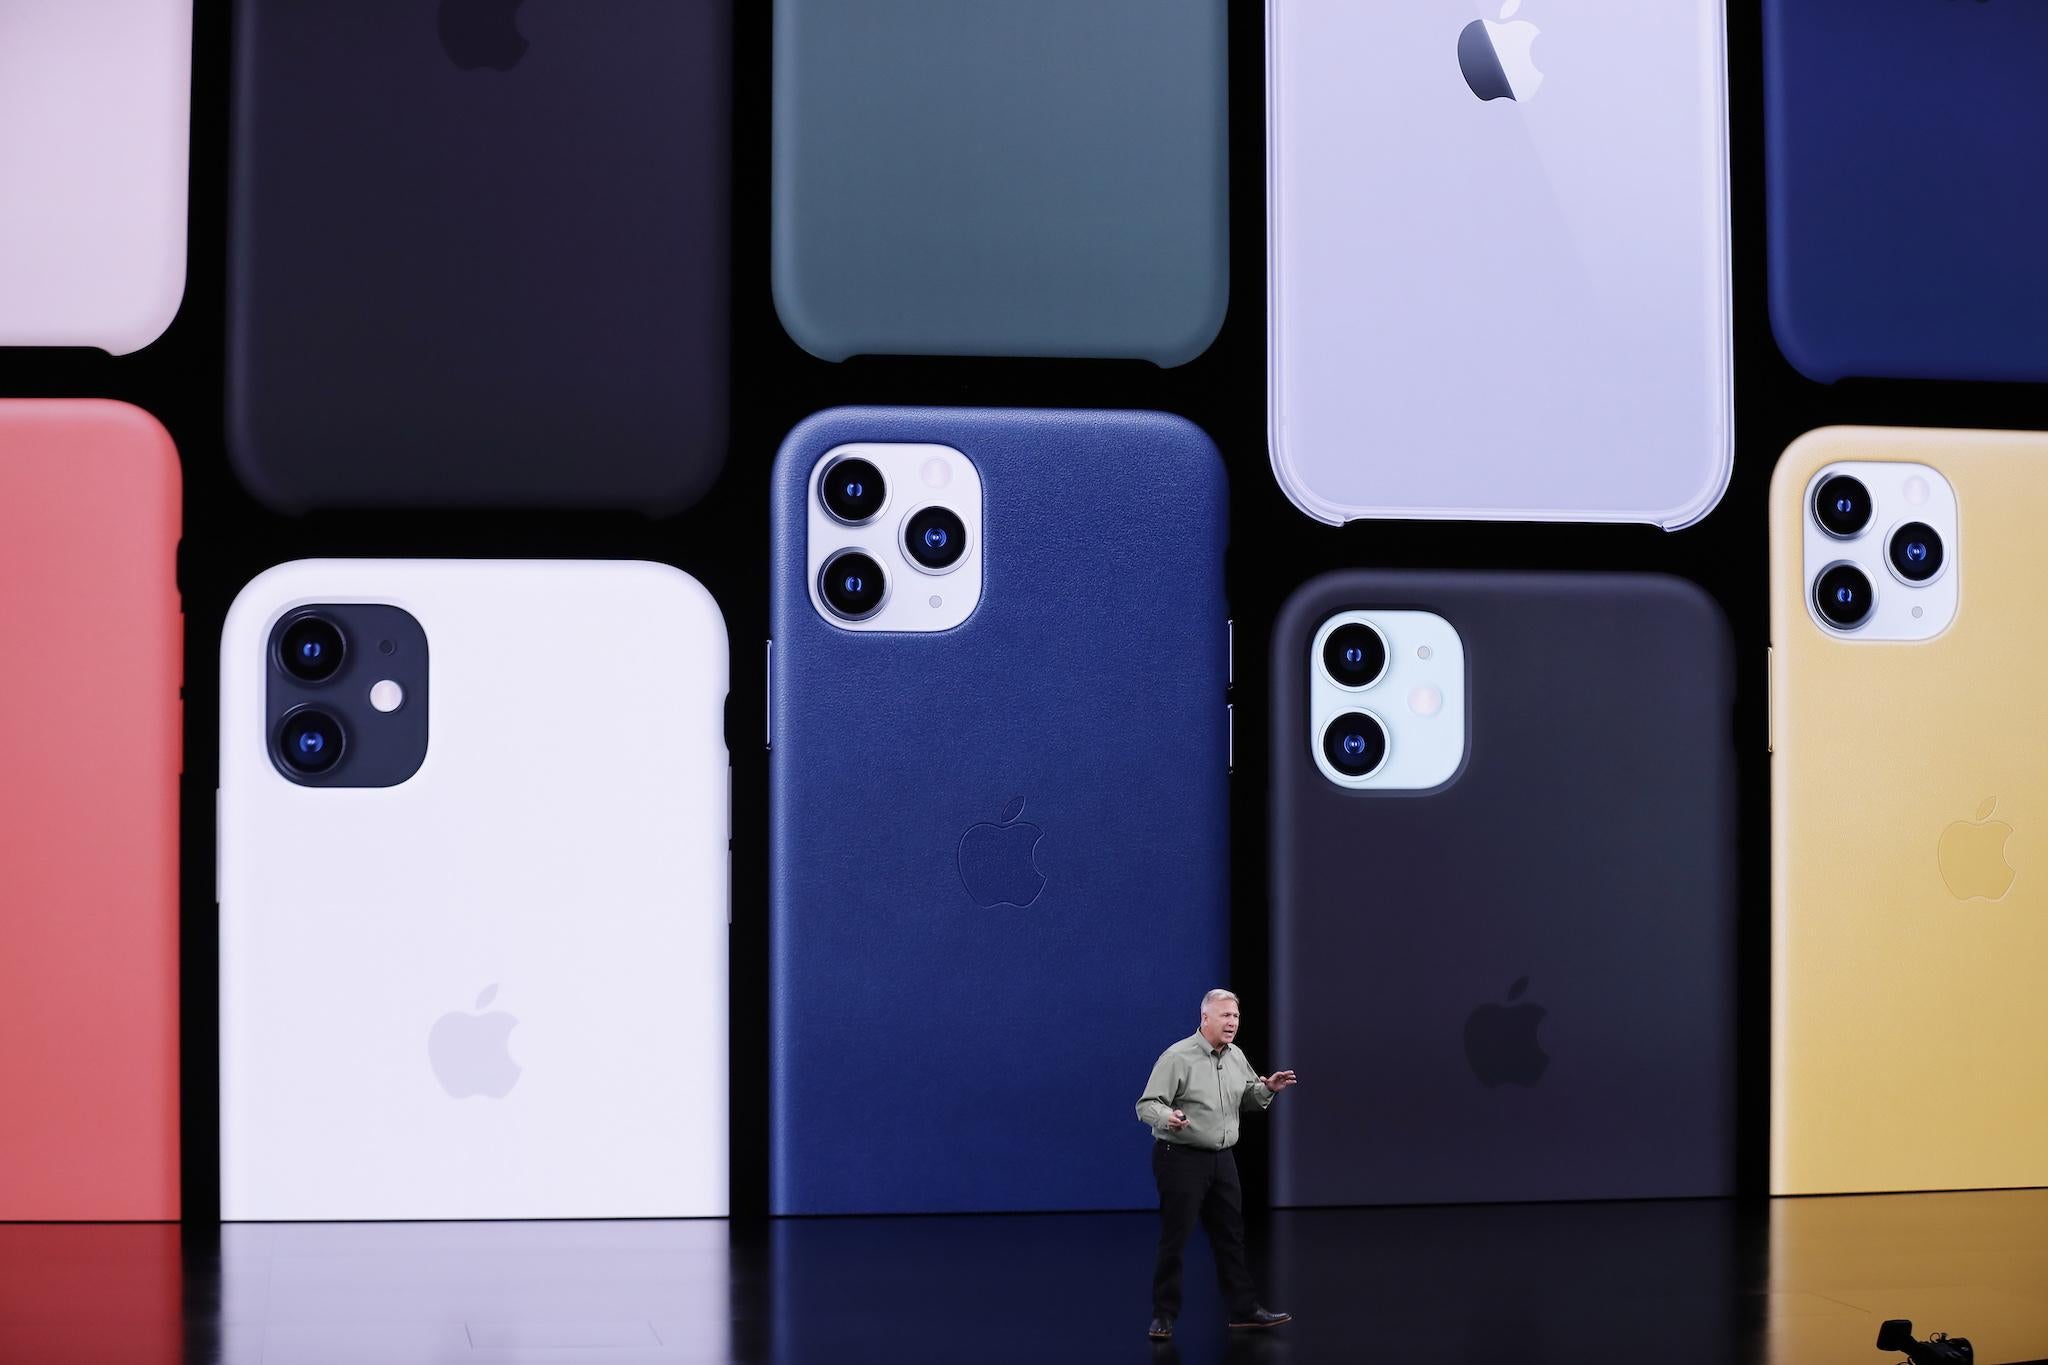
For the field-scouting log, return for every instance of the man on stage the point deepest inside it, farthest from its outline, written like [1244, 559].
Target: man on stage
[1191, 1104]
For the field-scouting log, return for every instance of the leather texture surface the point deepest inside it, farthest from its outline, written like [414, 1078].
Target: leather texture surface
[1905, 201]
[930, 1054]
[1890, 991]
[544, 324]
[1586, 851]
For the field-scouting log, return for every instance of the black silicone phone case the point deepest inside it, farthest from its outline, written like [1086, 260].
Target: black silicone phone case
[480, 253]
[1581, 865]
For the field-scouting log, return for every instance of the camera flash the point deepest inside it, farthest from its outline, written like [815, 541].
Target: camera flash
[387, 696]
[937, 600]
[1916, 490]
[1424, 652]
[1425, 700]
[937, 472]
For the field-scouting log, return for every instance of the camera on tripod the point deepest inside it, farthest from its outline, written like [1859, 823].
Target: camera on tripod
[1939, 1348]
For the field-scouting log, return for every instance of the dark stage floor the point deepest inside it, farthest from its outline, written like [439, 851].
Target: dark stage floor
[1801, 1282]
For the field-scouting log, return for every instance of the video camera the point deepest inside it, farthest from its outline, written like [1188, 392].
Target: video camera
[1939, 1348]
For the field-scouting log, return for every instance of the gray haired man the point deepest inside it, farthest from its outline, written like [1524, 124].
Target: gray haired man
[1191, 1104]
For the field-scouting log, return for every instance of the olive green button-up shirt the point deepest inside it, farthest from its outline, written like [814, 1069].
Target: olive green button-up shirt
[1208, 1086]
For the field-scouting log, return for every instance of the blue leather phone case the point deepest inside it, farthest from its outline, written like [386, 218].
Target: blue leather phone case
[929, 1054]
[1905, 189]
[1519, 985]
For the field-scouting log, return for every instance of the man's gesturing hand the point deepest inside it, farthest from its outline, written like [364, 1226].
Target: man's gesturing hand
[1176, 1121]
[1278, 1081]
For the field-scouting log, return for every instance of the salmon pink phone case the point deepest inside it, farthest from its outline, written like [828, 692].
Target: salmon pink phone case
[89, 761]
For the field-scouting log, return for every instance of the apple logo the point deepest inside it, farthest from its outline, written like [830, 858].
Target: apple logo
[1495, 57]
[1972, 857]
[999, 862]
[1500, 1041]
[482, 33]
[469, 1052]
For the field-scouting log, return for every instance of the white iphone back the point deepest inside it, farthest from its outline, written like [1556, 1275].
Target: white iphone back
[1513, 307]
[95, 112]
[560, 857]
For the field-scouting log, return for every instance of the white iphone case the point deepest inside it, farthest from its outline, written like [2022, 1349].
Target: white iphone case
[1513, 307]
[95, 111]
[560, 857]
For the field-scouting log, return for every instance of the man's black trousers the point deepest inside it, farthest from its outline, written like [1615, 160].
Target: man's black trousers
[1199, 1184]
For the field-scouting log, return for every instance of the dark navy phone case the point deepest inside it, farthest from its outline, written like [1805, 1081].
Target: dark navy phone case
[1570, 895]
[1905, 187]
[927, 1054]
[480, 253]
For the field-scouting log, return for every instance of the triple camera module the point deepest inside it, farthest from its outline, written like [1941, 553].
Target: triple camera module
[1844, 508]
[855, 490]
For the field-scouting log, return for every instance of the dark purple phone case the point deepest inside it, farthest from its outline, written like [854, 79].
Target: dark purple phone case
[480, 253]
[1520, 985]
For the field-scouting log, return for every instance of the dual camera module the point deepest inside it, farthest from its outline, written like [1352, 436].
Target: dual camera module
[853, 583]
[310, 648]
[1843, 593]
[1355, 657]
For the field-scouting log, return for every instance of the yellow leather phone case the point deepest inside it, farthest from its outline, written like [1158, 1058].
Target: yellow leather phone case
[1910, 971]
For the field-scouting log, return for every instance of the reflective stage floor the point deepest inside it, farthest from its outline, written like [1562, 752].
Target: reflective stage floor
[1799, 1282]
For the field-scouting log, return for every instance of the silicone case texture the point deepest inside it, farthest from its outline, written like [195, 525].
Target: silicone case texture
[985, 179]
[90, 752]
[1520, 985]
[95, 137]
[480, 266]
[503, 995]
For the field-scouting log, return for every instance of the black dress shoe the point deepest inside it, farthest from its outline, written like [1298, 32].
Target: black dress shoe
[1259, 1317]
[1162, 1328]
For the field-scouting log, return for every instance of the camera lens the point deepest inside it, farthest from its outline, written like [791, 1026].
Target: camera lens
[1355, 744]
[853, 491]
[310, 741]
[1355, 655]
[935, 538]
[1842, 506]
[852, 585]
[311, 648]
[1843, 596]
[1916, 552]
